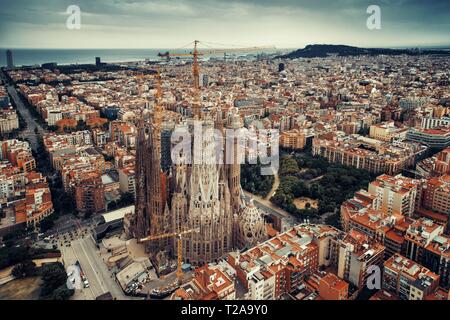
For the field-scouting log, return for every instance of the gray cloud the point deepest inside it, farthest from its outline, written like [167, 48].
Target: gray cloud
[171, 23]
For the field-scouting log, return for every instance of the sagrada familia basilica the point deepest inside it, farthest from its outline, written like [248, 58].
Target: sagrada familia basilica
[205, 196]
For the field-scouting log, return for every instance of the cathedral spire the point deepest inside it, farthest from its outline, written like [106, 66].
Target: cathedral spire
[158, 108]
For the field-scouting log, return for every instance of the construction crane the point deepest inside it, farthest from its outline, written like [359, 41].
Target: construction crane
[196, 68]
[213, 51]
[179, 236]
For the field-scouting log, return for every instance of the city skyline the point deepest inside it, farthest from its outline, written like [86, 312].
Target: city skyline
[171, 24]
[295, 150]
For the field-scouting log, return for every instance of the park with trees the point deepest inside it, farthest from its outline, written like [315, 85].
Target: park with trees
[305, 175]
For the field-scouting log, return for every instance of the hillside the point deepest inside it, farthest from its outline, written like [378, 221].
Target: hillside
[324, 50]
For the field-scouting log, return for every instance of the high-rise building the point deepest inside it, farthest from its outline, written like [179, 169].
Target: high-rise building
[9, 59]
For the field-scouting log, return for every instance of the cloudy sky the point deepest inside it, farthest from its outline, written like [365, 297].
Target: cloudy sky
[173, 23]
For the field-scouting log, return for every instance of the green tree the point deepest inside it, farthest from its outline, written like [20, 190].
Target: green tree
[288, 166]
[24, 269]
[253, 181]
[61, 293]
[53, 276]
[300, 189]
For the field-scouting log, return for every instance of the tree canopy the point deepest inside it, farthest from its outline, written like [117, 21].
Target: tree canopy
[54, 279]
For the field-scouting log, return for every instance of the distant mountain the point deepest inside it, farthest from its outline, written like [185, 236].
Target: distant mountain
[324, 50]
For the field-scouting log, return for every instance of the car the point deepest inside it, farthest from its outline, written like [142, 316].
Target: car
[72, 280]
[69, 274]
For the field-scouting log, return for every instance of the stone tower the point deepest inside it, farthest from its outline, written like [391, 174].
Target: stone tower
[250, 227]
[152, 215]
[234, 168]
[202, 200]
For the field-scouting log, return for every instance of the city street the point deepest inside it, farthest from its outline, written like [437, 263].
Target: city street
[101, 280]
[70, 258]
[32, 124]
[267, 207]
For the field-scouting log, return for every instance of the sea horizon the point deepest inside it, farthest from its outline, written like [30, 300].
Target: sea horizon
[63, 56]
[68, 56]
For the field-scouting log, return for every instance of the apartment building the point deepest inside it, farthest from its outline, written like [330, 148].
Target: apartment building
[356, 253]
[327, 286]
[435, 166]
[19, 154]
[436, 194]
[437, 138]
[127, 180]
[90, 193]
[408, 279]
[9, 120]
[210, 282]
[365, 153]
[396, 194]
[419, 235]
[293, 139]
[387, 131]
[276, 266]
[436, 257]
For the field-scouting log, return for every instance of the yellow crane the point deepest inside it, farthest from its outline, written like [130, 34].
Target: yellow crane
[213, 51]
[196, 68]
[179, 236]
